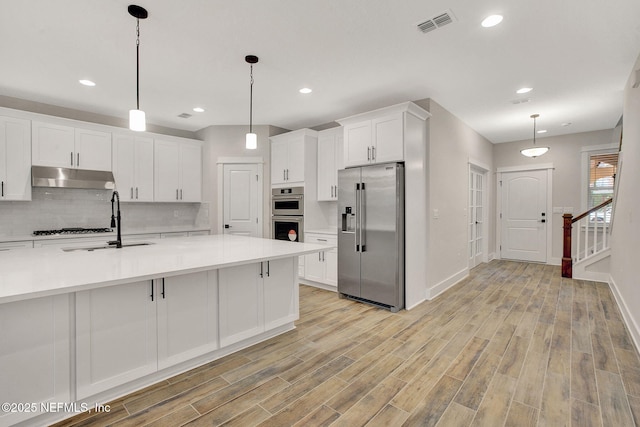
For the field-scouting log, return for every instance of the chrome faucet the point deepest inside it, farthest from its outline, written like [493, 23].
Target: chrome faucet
[118, 225]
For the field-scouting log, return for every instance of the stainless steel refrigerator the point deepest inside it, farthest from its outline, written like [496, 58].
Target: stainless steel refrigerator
[371, 234]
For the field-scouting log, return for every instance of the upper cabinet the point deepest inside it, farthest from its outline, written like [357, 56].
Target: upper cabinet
[133, 167]
[177, 171]
[293, 157]
[378, 136]
[15, 159]
[330, 160]
[68, 147]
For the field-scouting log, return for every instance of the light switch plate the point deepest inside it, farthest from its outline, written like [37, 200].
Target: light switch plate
[568, 209]
[558, 209]
[436, 214]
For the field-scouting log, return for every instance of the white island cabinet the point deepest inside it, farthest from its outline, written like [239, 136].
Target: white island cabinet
[34, 356]
[157, 324]
[85, 327]
[257, 297]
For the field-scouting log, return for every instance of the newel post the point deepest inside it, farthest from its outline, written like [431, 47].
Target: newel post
[566, 246]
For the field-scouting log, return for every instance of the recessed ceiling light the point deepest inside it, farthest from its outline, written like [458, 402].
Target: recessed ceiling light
[524, 90]
[491, 21]
[198, 109]
[542, 131]
[305, 90]
[566, 124]
[86, 82]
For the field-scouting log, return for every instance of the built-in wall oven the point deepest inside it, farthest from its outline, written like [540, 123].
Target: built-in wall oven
[287, 213]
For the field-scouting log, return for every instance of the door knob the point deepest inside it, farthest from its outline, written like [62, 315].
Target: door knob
[227, 226]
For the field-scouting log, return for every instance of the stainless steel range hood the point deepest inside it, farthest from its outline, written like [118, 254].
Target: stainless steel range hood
[52, 177]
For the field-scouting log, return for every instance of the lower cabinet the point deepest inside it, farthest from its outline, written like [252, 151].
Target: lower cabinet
[128, 331]
[322, 267]
[34, 355]
[257, 297]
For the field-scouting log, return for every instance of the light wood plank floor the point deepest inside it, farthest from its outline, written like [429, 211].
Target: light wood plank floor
[514, 344]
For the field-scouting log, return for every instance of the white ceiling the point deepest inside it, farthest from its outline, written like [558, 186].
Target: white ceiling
[357, 55]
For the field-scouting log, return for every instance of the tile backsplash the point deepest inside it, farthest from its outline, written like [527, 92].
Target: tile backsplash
[55, 208]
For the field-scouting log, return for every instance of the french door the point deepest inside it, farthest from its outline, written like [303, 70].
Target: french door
[476, 216]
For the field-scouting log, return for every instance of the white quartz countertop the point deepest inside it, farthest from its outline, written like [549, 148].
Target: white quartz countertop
[31, 273]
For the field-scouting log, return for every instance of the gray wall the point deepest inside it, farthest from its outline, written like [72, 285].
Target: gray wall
[452, 145]
[626, 226]
[565, 155]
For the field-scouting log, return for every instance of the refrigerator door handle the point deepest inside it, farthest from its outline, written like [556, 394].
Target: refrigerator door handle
[363, 218]
[357, 214]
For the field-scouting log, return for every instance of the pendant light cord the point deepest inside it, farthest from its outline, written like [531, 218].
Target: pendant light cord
[251, 101]
[137, 63]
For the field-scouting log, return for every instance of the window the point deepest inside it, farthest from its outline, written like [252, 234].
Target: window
[602, 174]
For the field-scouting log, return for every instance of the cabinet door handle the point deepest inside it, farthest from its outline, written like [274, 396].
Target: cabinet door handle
[368, 154]
[321, 240]
[319, 259]
[163, 288]
[261, 270]
[2, 188]
[71, 158]
[152, 290]
[177, 194]
[268, 268]
[78, 161]
[323, 256]
[136, 192]
[332, 191]
[181, 194]
[373, 153]
[131, 192]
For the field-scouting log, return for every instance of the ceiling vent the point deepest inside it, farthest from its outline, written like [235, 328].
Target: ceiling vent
[440, 20]
[184, 115]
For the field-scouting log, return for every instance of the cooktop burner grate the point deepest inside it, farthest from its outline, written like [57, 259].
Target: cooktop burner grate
[74, 230]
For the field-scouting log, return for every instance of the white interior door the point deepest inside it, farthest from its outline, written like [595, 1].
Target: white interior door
[524, 215]
[240, 199]
[476, 217]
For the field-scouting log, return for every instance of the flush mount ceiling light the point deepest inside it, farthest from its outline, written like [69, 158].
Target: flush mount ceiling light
[524, 90]
[491, 21]
[305, 90]
[86, 82]
[251, 142]
[198, 109]
[137, 120]
[534, 151]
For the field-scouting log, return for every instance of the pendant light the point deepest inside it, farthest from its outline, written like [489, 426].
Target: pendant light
[534, 151]
[251, 142]
[137, 119]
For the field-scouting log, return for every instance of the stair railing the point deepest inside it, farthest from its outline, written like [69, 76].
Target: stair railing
[592, 235]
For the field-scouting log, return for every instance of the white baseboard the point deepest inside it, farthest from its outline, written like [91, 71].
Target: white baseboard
[317, 284]
[629, 320]
[436, 290]
[554, 261]
[492, 256]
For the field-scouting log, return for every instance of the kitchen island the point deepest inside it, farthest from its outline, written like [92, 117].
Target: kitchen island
[82, 327]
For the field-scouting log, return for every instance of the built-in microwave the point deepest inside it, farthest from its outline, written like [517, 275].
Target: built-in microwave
[287, 201]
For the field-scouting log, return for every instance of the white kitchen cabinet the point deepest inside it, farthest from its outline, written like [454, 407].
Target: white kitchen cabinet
[187, 317]
[116, 336]
[15, 159]
[322, 267]
[256, 297]
[177, 171]
[125, 332]
[34, 354]
[133, 167]
[291, 156]
[378, 136]
[64, 146]
[330, 160]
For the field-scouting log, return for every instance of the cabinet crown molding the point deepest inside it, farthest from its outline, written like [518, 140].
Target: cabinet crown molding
[299, 132]
[408, 107]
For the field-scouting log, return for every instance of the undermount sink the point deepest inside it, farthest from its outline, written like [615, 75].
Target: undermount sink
[94, 248]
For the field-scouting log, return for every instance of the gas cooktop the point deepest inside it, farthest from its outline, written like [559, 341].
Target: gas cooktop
[74, 230]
